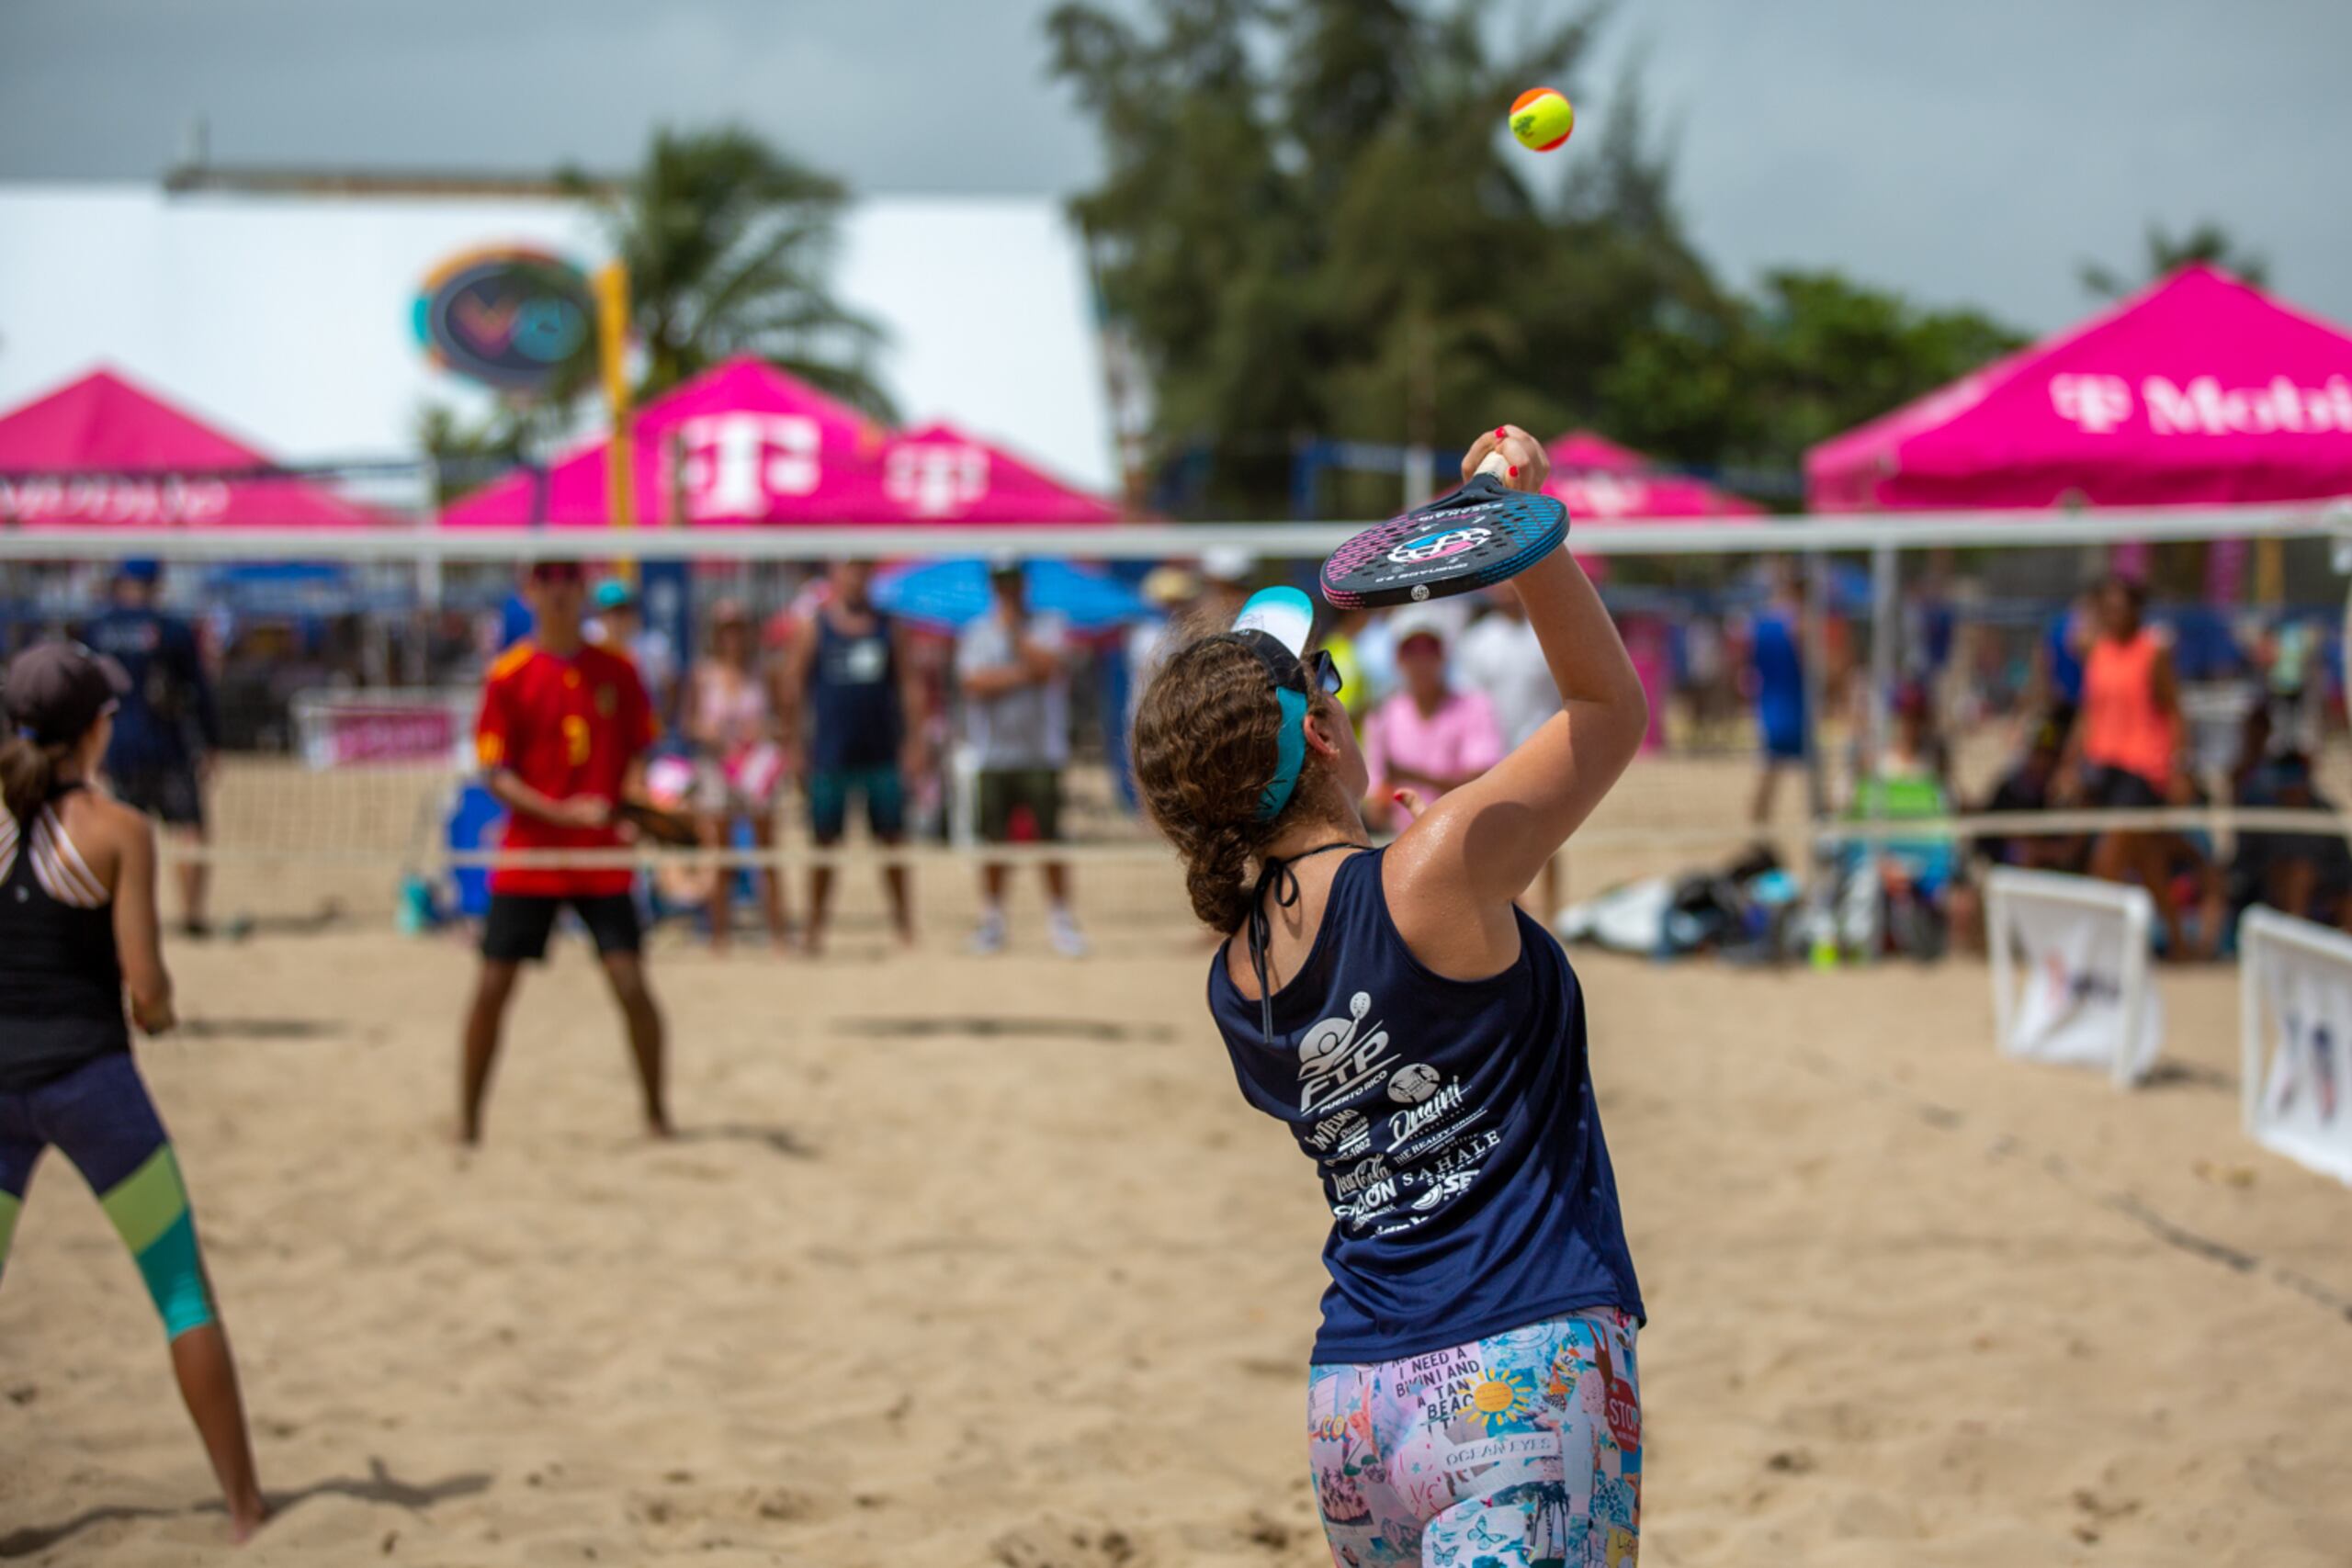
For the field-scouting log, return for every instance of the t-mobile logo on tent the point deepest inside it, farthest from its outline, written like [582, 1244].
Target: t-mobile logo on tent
[1601, 495]
[936, 480]
[736, 463]
[2099, 404]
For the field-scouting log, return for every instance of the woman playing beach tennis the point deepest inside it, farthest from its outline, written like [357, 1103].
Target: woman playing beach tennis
[77, 926]
[1472, 1398]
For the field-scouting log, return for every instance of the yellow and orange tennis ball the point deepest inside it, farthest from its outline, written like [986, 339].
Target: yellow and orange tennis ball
[1541, 118]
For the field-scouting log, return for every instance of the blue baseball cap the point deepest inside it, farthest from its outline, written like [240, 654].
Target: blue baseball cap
[140, 569]
[612, 593]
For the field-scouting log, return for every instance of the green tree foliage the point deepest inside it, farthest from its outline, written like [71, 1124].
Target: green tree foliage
[1809, 354]
[2166, 253]
[1312, 225]
[727, 243]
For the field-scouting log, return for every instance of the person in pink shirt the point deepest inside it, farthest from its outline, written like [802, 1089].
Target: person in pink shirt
[1427, 738]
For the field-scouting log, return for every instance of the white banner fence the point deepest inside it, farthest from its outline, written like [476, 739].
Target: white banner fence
[2293, 1082]
[2085, 998]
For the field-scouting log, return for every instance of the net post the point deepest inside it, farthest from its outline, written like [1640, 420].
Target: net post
[2139, 913]
[2252, 948]
[612, 346]
[1883, 634]
[2001, 960]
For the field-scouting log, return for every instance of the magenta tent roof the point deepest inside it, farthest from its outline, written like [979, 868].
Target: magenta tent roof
[1603, 483]
[752, 444]
[938, 474]
[105, 423]
[2201, 389]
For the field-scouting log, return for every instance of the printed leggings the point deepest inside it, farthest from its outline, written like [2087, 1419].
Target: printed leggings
[100, 1115]
[1519, 1451]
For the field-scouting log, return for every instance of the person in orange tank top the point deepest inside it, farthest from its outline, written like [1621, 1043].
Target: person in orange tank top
[2125, 752]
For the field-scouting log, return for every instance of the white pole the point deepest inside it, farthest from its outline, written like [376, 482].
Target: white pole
[2252, 950]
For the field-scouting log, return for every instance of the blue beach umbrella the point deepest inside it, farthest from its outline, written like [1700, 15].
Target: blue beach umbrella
[954, 592]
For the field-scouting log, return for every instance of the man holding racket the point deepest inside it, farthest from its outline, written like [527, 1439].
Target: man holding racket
[1473, 1396]
[564, 728]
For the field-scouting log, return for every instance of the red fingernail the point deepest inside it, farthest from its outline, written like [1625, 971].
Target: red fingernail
[1500, 433]
[1398, 797]
[1514, 470]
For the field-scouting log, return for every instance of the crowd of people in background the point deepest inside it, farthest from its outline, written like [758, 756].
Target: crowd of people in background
[830, 716]
[2105, 727]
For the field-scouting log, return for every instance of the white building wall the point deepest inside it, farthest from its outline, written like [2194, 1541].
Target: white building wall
[287, 320]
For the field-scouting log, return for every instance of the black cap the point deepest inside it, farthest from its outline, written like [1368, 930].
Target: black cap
[55, 690]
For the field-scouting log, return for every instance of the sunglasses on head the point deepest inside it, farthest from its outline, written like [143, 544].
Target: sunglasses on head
[556, 571]
[1315, 672]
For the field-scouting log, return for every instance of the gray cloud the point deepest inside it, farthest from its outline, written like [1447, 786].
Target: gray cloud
[1963, 154]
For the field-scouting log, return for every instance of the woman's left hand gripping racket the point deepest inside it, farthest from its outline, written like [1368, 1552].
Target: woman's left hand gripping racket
[1482, 534]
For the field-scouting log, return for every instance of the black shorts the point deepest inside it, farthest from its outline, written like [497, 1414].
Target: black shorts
[2120, 789]
[516, 931]
[168, 792]
[1004, 791]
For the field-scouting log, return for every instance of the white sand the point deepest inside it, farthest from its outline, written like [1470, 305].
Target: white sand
[969, 1261]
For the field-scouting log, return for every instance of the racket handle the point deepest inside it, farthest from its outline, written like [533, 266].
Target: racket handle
[1497, 464]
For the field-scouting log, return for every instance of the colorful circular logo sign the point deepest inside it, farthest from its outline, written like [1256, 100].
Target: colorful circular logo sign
[514, 319]
[1438, 545]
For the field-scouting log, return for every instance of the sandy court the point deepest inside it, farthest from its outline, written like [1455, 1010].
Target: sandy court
[981, 1261]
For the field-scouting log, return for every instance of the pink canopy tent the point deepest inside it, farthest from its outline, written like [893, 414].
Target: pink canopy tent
[102, 436]
[1603, 483]
[938, 474]
[2201, 389]
[751, 443]
[746, 443]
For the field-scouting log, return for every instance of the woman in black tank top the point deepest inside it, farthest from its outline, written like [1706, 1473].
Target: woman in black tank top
[78, 930]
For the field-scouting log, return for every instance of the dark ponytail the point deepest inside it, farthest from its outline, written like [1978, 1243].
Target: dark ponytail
[27, 774]
[1204, 747]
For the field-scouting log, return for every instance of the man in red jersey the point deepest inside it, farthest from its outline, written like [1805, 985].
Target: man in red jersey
[563, 736]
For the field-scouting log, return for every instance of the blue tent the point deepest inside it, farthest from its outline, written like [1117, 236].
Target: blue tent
[953, 593]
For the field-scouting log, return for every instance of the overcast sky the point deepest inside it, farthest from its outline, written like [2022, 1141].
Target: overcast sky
[1963, 154]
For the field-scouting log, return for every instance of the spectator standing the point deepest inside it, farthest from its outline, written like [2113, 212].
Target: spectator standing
[1012, 667]
[167, 729]
[1429, 738]
[732, 719]
[620, 626]
[2124, 752]
[1502, 659]
[856, 702]
[1776, 669]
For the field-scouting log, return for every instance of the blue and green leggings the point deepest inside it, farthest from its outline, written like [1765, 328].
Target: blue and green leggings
[100, 1115]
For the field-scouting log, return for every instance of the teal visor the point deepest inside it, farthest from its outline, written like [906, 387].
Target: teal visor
[1295, 680]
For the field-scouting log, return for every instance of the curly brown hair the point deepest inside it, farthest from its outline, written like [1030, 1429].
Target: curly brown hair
[1206, 747]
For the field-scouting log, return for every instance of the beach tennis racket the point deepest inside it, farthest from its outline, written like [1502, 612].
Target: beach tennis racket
[1482, 534]
[658, 823]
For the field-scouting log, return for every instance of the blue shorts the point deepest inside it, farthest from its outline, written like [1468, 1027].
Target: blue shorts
[884, 793]
[100, 1115]
[1783, 734]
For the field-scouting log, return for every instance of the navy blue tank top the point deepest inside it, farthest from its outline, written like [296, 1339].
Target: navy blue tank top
[853, 698]
[60, 977]
[1452, 1124]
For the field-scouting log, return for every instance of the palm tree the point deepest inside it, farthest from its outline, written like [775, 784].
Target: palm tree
[2167, 252]
[727, 243]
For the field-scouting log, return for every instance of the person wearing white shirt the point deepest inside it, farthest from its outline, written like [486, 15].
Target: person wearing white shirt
[1500, 657]
[1013, 666]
